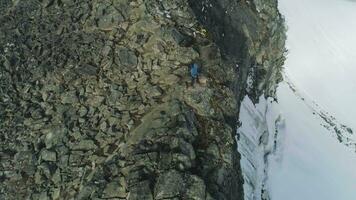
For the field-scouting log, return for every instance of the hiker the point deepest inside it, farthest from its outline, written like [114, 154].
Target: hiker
[194, 73]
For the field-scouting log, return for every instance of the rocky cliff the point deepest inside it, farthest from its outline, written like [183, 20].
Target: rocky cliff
[96, 100]
[251, 34]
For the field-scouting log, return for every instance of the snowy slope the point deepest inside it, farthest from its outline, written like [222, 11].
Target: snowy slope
[303, 146]
[288, 153]
[313, 165]
[344, 134]
[322, 53]
[261, 131]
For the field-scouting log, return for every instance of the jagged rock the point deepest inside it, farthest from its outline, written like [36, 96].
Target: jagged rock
[48, 155]
[196, 190]
[84, 145]
[56, 178]
[140, 191]
[98, 90]
[63, 161]
[183, 55]
[170, 79]
[53, 136]
[56, 193]
[199, 98]
[45, 169]
[169, 185]
[43, 196]
[37, 114]
[87, 69]
[183, 162]
[213, 151]
[108, 17]
[69, 98]
[95, 101]
[154, 91]
[26, 161]
[82, 111]
[85, 192]
[125, 58]
[187, 149]
[114, 190]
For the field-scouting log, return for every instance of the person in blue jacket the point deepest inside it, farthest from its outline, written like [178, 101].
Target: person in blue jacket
[194, 73]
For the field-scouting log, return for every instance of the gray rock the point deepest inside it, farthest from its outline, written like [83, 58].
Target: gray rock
[69, 98]
[183, 161]
[43, 196]
[169, 185]
[95, 101]
[154, 91]
[140, 191]
[82, 111]
[213, 151]
[114, 190]
[108, 17]
[48, 156]
[200, 99]
[187, 149]
[45, 169]
[54, 136]
[56, 192]
[84, 145]
[26, 160]
[63, 161]
[56, 178]
[196, 189]
[85, 192]
[125, 58]
[87, 69]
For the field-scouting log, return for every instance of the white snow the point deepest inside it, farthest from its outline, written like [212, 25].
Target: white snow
[322, 53]
[288, 150]
[314, 165]
[261, 127]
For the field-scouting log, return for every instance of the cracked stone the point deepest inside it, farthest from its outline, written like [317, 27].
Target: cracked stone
[48, 156]
[169, 185]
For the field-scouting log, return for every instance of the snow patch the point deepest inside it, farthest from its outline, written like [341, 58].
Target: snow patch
[260, 131]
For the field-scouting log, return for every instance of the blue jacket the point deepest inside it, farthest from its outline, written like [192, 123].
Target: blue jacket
[194, 70]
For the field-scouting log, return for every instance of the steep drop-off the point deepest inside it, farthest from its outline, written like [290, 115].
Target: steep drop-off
[250, 34]
[96, 100]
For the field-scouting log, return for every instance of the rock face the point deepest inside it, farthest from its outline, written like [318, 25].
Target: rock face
[96, 100]
[250, 34]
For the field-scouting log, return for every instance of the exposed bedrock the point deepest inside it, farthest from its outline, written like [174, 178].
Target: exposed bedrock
[250, 34]
[96, 100]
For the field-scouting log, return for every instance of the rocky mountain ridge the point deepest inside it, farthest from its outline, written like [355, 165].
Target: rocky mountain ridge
[96, 100]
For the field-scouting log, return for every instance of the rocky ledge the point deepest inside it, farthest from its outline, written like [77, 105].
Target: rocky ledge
[96, 100]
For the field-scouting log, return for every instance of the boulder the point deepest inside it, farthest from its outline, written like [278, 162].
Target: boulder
[125, 58]
[196, 189]
[114, 190]
[140, 191]
[47, 155]
[84, 145]
[108, 17]
[169, 185]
